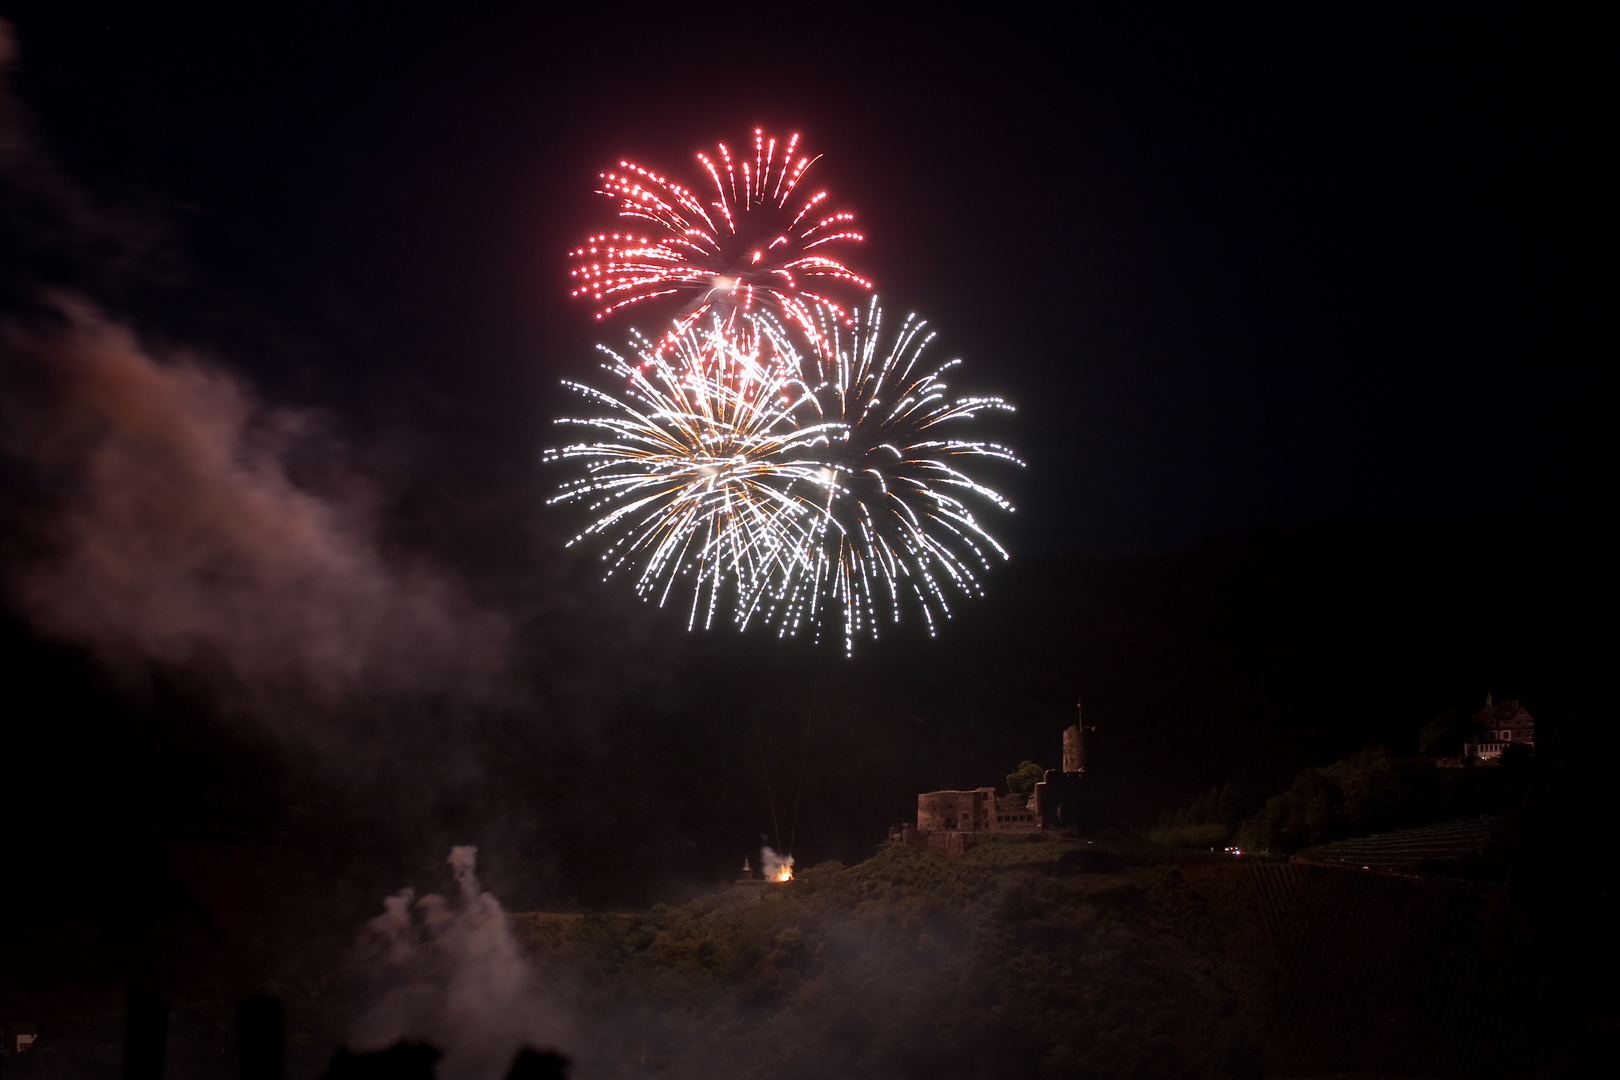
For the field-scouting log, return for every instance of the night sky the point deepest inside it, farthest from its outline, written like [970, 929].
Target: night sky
[1295, 305]
[1235, 268]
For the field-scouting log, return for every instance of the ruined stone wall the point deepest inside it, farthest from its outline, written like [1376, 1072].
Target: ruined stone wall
[951, 811]
[979, 810]
[1013, 813]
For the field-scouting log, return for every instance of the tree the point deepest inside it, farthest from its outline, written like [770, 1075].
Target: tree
[1445, 734]
[1022, 780]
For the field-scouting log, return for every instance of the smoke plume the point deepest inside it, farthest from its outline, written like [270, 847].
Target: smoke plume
[776, 867]
[174, 532]
[163, 522]
[451, 974]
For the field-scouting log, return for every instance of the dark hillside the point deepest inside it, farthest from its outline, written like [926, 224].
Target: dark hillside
[206, 857]
[1016, 961]
[1391, 976]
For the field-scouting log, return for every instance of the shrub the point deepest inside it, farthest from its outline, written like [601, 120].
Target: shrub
[1192, 834]
[1207, 822]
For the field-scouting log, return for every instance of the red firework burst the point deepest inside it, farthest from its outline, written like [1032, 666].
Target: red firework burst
[755, 245]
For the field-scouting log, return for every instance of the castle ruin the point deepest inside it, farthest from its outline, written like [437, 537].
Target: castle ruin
[944, 818]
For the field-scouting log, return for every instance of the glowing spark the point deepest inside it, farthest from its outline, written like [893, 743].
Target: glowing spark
[753, 246]
[775, 867]
[896, 529]
[699, 474]
[790, 488]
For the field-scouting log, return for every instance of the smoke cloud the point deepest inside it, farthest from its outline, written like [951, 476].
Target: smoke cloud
[152, 513]
[451, 974]
[776, 867]
[173, 531]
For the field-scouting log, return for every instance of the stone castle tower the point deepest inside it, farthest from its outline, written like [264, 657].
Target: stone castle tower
[1062, 795]
[1079, 743]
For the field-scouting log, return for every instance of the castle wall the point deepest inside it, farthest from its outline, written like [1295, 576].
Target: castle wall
[955, 811]
[1015, 813]
[979, 810]
[1065, 799]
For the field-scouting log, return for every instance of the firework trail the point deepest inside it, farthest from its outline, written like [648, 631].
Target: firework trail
[798, 489]
[896, 529]
[756, 244]
[700, 472]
